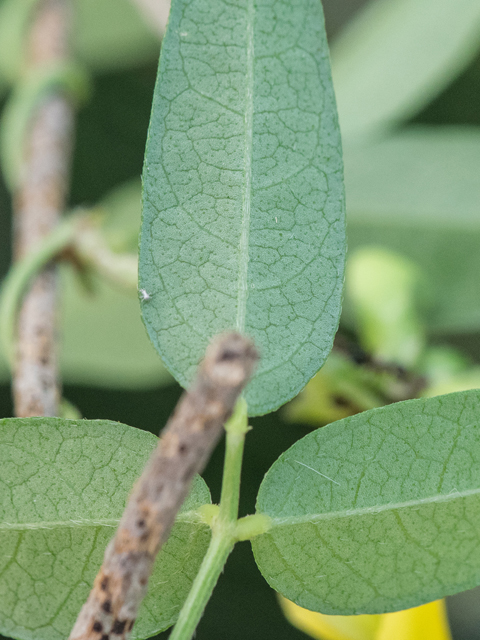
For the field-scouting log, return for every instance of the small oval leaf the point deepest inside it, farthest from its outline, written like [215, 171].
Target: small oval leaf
[63, 488]
[243, 218]
[377, 512]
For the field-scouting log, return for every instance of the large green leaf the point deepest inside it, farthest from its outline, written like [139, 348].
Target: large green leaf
[63, 487]
[396, 55]
[417, 193]
[243, 193]
[377, 512]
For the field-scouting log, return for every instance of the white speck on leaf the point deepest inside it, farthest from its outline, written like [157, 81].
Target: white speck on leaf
[144, 295]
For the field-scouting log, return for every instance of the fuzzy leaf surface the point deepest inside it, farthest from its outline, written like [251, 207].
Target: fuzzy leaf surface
[63, 487]
[377, 512]
[243, 219]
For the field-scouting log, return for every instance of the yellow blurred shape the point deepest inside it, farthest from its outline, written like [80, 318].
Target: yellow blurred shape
[428, 622]
[324, 627]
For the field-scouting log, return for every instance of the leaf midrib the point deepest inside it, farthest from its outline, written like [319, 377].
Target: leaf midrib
[246, 201]
[373, 510]
[192, 517]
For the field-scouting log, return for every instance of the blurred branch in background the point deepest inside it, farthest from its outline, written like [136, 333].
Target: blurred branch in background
[39, 199]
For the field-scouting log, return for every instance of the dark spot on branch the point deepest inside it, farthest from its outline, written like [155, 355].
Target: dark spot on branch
[97, 626]
[228, 355]
[104, 584]
[105, 637]
[188, 438]
[119, 626]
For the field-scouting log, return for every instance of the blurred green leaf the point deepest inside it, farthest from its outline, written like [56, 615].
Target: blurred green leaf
[106, 35]
[417, 194]
[104, 340]
[378, 512]
[3, 86]
[382, 287]
[29, 91]
[14, 20]
[111, 34]
[243, 192]
[63, 488]
[396, 55]
[123, 207]
[447, 371]
[440, 364]
[340, 389]
[469, 379]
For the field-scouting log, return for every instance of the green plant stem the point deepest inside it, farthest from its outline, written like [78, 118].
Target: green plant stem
[93, 251]
[22, 272]
[236, 428]
[223, 528]
[220, 547]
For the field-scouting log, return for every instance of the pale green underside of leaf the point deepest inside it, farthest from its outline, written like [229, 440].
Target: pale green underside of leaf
[63, 487]
[243, 224]
[396, 56]
[378, 512]
[417, 193]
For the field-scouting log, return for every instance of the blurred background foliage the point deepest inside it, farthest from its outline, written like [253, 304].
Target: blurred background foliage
[407, 77]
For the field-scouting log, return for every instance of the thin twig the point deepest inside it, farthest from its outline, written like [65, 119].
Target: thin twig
[38, 203]
[184, 448]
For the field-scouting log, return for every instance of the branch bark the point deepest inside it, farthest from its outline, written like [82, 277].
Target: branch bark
[38, 204]
[184, 448]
